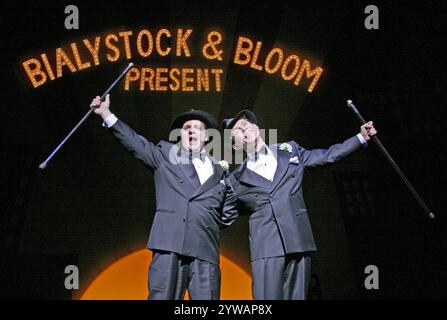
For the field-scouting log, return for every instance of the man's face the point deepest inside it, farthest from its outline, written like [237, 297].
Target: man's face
[245, 134]
[193, 135]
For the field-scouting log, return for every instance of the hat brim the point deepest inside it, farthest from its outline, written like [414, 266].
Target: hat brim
[247, 114]
[205, 117]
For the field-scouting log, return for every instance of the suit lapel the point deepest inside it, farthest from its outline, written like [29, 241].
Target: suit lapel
[177, 171]
[281, 169]
[190, 173]
[211, 181]
[252, 178]
[185, 171]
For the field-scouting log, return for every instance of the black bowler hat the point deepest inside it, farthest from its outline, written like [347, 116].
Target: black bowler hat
[205, 117]
[247, 114]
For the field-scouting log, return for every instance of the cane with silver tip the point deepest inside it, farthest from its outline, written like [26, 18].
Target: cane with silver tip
[379, 144]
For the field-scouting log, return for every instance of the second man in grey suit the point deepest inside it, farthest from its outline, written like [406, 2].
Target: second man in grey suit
[268, 186]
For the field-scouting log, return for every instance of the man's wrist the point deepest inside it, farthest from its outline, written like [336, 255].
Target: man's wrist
[105, 114]
[110, 120]
[362, 139]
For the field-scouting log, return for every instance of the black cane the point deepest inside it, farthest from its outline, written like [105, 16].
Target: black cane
[43, 165]
[393, 163]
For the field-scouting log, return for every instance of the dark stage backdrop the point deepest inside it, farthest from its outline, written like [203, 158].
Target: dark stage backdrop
[94, 203]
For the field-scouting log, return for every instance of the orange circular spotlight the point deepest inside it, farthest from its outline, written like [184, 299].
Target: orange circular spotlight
[126, 279]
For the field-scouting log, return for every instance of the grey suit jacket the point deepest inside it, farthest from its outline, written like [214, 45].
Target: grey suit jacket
[279, 222]
[189, 215]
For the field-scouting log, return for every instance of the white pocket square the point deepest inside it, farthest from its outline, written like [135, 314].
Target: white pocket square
[294, 160]
[223, 182]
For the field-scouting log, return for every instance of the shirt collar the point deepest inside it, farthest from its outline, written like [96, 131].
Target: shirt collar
[190, 155]
[198, 155]
[254, 156]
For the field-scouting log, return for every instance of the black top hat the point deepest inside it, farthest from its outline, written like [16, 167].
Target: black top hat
[205, 117]
[247, 114]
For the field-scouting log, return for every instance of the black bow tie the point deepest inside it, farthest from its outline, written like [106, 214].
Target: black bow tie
[199, 155]
[255, 155]
[183, 153]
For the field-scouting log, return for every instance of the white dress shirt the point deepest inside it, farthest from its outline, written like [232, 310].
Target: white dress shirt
[264, 164]
[204, 168]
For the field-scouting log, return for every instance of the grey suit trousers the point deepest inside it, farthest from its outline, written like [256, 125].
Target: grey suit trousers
[281, 278]
[170, 274]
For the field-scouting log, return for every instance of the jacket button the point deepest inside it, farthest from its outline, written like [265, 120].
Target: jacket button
[181, 180]
[184, 220]
[256, 194]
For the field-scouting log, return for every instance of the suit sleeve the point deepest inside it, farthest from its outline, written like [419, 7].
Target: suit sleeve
[137, 145]
[320, 157]
[230, 210]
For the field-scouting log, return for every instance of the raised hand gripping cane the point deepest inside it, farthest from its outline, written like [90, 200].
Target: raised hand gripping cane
[379, 144]
[43, 165]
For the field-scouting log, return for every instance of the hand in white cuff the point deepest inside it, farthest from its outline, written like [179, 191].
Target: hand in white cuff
[362, 140]
[109, 121]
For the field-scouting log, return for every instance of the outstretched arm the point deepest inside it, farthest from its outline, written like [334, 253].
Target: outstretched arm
[319, 157]
[135, 144]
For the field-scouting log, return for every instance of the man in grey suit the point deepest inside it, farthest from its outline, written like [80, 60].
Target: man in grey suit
[193, 202]
[268, 186]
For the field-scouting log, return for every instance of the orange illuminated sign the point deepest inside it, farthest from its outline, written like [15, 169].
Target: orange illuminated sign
[112, 47]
